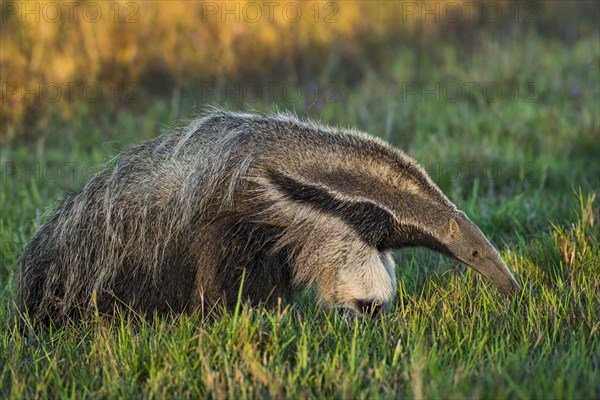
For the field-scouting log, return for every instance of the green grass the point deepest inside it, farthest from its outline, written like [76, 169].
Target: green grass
[450, 333]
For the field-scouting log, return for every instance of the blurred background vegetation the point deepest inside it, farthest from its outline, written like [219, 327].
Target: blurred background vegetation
[63, 61]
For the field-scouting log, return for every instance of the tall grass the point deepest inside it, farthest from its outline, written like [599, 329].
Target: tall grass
[448, 336]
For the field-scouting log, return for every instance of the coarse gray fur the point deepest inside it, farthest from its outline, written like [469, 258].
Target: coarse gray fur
[174, 223]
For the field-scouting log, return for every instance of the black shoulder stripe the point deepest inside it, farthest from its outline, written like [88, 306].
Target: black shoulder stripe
[374, 224]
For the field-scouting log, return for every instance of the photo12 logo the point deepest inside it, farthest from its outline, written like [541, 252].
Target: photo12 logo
[270, 11]
[52, 172]
[453, 92]
[70, 11]
[470, 11]
[312, 95]
[70, 92]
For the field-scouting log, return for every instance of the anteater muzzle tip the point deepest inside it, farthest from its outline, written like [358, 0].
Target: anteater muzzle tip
[511, 288]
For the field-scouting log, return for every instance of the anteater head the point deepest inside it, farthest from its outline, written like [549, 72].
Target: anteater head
[466, 243]
[384, 196]
[447, 230]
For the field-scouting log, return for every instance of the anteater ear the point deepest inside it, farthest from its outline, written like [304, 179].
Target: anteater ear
[453, 228]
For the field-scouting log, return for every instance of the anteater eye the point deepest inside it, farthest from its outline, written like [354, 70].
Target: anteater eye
[475, 253]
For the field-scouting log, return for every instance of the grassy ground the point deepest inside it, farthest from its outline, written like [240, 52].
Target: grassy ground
[524, 167]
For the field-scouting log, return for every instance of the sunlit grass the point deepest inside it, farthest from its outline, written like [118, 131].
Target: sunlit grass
[455, 336]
